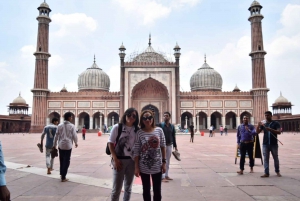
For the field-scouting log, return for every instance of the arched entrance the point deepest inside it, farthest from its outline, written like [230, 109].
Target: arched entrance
[112, 119]
[186, 120]
[151, 93]
[230, 120]
[84, 120]
[216, 118]
[154, 110]
[98, 120]
[202, 120]
[54, 115]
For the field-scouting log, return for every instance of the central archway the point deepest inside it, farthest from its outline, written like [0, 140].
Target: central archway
[151, 94]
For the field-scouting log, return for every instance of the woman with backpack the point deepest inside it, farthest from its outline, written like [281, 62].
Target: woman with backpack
[121, 142]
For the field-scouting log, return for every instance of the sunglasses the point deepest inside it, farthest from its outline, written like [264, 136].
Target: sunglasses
[131, 115]
[149, 118]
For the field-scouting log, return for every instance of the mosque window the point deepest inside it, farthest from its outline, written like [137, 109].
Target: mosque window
[259, 47]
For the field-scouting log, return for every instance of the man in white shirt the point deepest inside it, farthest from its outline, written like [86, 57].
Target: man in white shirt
[65, 135]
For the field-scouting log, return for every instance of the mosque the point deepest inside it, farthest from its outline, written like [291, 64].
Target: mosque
[149, 80]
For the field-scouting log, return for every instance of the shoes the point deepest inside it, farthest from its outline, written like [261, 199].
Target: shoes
[164, 180]
[278, 174]
[168, 178]
[64, 180]
[40, 147]
[265, 175]
[176, 154]
[240, 172]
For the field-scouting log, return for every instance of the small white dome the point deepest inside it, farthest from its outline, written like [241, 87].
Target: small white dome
[281, 99]
[19, 100]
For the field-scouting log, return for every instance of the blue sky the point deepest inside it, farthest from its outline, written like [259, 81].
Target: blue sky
[79, 29]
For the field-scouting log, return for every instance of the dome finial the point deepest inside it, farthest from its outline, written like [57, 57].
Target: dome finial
[280, 93]
[149, 40]
[94, 58]
[204, 58]
[19, 93]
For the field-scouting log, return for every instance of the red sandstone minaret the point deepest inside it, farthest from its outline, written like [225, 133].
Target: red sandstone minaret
[259, 86]
[40, 89]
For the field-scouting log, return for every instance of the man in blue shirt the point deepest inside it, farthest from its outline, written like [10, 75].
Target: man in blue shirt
[49, 131]
[245, 139]
[271, 130]
[4, 192]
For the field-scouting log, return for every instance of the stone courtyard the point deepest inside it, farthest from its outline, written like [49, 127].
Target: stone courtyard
[206, 172]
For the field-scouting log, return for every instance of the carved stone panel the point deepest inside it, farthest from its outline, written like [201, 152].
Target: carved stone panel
[201, 104]
[54, 104]
[84, 104]
[231, 104]
[216, 104]
[69, 104]
[245, 103]
[186, 104]
[57, 111]
[113, 104]
[98, 104]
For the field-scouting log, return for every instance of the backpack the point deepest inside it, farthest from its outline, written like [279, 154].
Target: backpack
[107, 150]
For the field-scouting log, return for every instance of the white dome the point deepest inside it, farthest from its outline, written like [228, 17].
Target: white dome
[19, 100]
[206, 79]
[281, 99]
[93, 78]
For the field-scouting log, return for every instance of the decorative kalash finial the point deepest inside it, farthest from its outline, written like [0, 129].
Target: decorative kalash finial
[204, 58]
[94, 58]
[149, 40]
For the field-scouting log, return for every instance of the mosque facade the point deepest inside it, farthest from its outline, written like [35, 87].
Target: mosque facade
[149, 80]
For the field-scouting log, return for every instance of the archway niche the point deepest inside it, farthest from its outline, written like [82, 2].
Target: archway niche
[186, 120]
[112, 119]
[54, 115]
[98, 120]
[84, 120]
[216, 119]
[230, 120]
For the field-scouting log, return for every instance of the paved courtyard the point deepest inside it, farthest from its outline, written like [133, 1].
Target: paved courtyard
[206, 171]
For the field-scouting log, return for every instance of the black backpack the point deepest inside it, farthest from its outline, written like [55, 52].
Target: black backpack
[118, 137]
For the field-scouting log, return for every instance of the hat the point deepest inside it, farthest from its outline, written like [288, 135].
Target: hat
[176, 154]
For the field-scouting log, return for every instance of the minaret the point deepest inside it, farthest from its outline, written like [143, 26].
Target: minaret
[259, 86]
[177, 84]
[40, 89]
[122, 79]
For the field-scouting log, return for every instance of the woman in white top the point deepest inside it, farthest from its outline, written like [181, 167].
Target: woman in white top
[122, 153]
[150, 155]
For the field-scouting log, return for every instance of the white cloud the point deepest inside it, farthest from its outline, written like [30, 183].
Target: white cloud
[152, 10]
[55, 61]
[114, 76]
[27, 52]
[5, 74]
[70, 24]
[290, 19]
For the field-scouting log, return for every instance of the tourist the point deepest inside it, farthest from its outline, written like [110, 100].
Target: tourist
[4, 192]
[49, 131]
[121, 143]
[245, 140]
[65, 135]
[170, 138]
[271, 130]
[225, 130]
[192, 132]
[83, 132]
[150, 156]
[104, 128]
[211, 128]
[221, 130]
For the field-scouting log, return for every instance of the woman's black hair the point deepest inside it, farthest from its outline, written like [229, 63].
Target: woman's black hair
[136, 122]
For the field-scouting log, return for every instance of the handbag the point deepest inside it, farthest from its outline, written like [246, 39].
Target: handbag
[107, 150]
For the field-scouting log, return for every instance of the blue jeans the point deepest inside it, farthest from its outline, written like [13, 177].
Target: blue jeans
[274, 151]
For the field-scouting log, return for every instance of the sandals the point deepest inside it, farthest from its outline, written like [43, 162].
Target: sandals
[240, 172]
[40, 147]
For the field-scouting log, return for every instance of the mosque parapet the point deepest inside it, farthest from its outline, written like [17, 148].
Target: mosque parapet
[83, 94]
[215, 93]
[149, 64]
